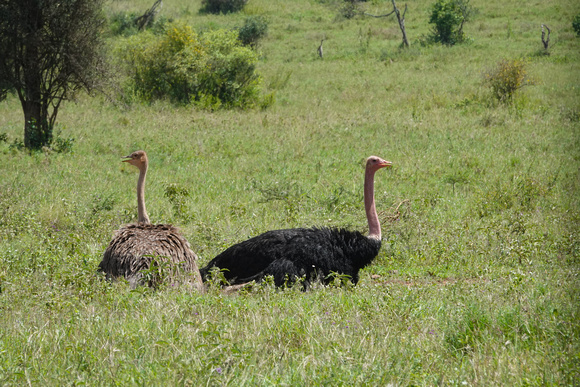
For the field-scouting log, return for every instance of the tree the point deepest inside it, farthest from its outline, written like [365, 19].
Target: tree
[50, 50]
[448, 18]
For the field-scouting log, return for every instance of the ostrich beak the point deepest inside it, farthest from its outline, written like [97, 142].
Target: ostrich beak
[128, 158]
[385, 163]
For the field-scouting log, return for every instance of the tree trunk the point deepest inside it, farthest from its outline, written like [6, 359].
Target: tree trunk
[401, 20]
[545, 40]
[37, 130]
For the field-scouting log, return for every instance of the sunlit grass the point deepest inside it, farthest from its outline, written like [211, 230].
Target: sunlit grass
[477, 279]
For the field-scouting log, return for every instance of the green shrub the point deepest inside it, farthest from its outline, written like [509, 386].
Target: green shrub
[448, 17]
[254, 29]
[507, 78]
[230, 76]
[576, 25]
[125, 24]
[222, 6]
[212, 70]
[62, 145]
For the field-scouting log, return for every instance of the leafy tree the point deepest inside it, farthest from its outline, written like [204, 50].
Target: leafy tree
[448, 17]
[50, 50]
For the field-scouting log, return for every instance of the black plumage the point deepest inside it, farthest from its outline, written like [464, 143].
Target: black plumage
[312, 253]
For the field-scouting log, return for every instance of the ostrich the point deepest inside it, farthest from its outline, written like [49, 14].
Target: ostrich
[310, 252]
[320, 53]
[134, 246]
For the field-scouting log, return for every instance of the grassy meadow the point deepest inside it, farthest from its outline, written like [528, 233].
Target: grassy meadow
[477, 282]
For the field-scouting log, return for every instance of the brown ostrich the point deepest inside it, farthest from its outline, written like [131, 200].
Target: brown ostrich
[136, 246]
[313, 253]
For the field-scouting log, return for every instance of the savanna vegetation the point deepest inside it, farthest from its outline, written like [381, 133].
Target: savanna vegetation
[477, 281]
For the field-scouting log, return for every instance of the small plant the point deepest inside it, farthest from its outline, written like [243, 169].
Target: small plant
[338, 280]
[62, 145]
[349, 9]
[507, 78]
[448, 17]
[158, 272]
[222, 6]
[178, 197]
[254, 29]
[216, 278]
[576, 25]
[17, 145]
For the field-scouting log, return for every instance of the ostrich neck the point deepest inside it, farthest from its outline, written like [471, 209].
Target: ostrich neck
[143, 217]
[372, 217]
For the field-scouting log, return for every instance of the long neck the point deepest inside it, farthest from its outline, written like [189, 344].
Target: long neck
[372, 217]
[143, 217]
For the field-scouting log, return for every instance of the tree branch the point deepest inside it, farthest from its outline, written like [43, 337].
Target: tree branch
[377, 16]
[545, 40]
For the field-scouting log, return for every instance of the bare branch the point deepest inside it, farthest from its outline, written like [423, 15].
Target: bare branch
[545, 40]
[143, 20]
[377, 16]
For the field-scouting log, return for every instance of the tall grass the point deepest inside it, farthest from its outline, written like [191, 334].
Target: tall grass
[476, 282]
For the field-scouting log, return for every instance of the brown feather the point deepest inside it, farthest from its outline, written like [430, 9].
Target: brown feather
[136, 246]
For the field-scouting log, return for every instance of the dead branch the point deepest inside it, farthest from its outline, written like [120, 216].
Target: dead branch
[149, 15]
[545, 39]
[400, 19]
[378, 16]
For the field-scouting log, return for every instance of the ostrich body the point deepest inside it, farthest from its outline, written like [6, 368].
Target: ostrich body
[309, 252]
[135, 246]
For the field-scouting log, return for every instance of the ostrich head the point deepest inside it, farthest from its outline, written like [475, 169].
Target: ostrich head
[375, 163]
[137, 158]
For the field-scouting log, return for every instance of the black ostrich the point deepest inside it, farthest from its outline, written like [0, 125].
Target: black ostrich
[310, 252]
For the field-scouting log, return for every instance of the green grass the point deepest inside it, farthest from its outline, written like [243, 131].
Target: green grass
[477, 282]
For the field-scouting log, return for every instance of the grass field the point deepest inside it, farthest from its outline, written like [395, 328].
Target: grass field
[477, 282]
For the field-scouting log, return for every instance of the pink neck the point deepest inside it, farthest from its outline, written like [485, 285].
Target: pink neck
[143, 217]
[372, 217]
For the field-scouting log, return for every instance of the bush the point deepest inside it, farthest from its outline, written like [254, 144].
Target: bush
[507, 78]
[125, 24]
[448, 17]
[222, 6]
[213, 70]
[254, 29]
[576, 25]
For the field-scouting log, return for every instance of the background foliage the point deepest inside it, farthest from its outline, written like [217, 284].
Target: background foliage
[477, 280]
[212, 69]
